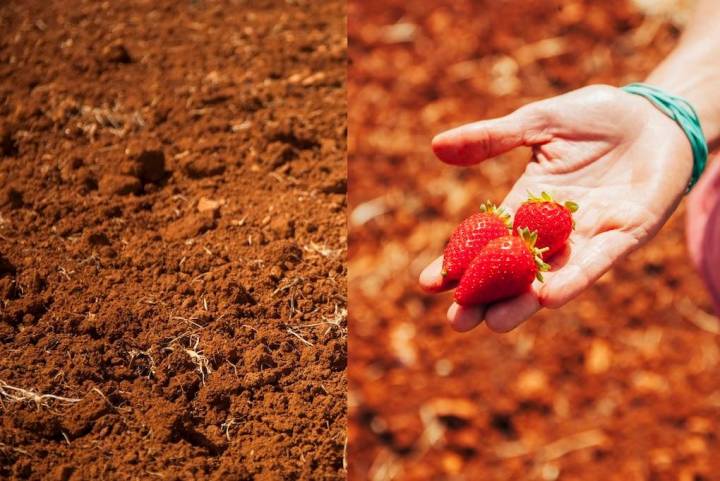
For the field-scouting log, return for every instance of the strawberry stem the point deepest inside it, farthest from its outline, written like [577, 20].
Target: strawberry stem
[530, 238]
[545, 197]
[488, 207]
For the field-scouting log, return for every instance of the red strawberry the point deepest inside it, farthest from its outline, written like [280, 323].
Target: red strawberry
[551, 220]
[468, 239]
[505, 268]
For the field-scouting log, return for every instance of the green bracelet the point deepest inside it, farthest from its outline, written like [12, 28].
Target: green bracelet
[683, 113]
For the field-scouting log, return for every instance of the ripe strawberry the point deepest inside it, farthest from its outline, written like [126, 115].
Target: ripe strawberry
[551, 220]
[505, 268]
[468, 239]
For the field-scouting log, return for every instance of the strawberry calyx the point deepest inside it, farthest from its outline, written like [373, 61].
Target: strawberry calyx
[571, 206]
[545, 197]
[488, 207]
[530, 238]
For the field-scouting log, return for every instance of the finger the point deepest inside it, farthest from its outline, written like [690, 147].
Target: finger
[463, 319]
[589, 260]
[505, 316]
[475, 142]
[432, 280]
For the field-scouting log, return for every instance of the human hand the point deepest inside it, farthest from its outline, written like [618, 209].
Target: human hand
[616, 155]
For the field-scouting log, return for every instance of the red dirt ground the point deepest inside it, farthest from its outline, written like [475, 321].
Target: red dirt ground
[172, 240]
[621, 384]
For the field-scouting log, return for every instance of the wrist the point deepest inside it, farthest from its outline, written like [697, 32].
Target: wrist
[684, 116]
[692, 74]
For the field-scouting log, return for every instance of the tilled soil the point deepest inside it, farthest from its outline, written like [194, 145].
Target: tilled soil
[172, 240]
[622, 383]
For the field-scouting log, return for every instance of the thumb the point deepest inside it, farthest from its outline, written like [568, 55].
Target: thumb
[475, 142]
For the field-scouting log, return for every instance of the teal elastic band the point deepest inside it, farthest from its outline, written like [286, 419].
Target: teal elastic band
[684, 114]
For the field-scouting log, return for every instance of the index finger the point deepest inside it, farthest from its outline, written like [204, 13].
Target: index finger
[432, 280]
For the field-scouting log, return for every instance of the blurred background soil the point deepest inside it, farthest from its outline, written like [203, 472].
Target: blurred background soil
[621, 384]
[172, 240]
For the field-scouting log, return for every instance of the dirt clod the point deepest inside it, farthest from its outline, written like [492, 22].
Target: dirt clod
[117, 53]
[189, 226]
[8, 144]
[94, 238]
[209, 205]
[119, 184]
[203, 167]
[6, 267]
[11, 197]
[151, 165]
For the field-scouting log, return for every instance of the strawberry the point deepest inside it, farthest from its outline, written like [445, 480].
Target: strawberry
[468, 239]
[505, 268]
[551, 220]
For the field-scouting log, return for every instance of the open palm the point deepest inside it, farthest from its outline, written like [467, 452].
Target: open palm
[623, 161]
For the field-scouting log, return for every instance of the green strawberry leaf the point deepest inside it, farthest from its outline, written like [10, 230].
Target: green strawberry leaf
[571, 206]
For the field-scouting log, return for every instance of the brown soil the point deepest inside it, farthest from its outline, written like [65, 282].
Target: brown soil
[172, 240]
[622, 383]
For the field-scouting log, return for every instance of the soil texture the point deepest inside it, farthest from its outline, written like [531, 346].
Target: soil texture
[172, 240]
